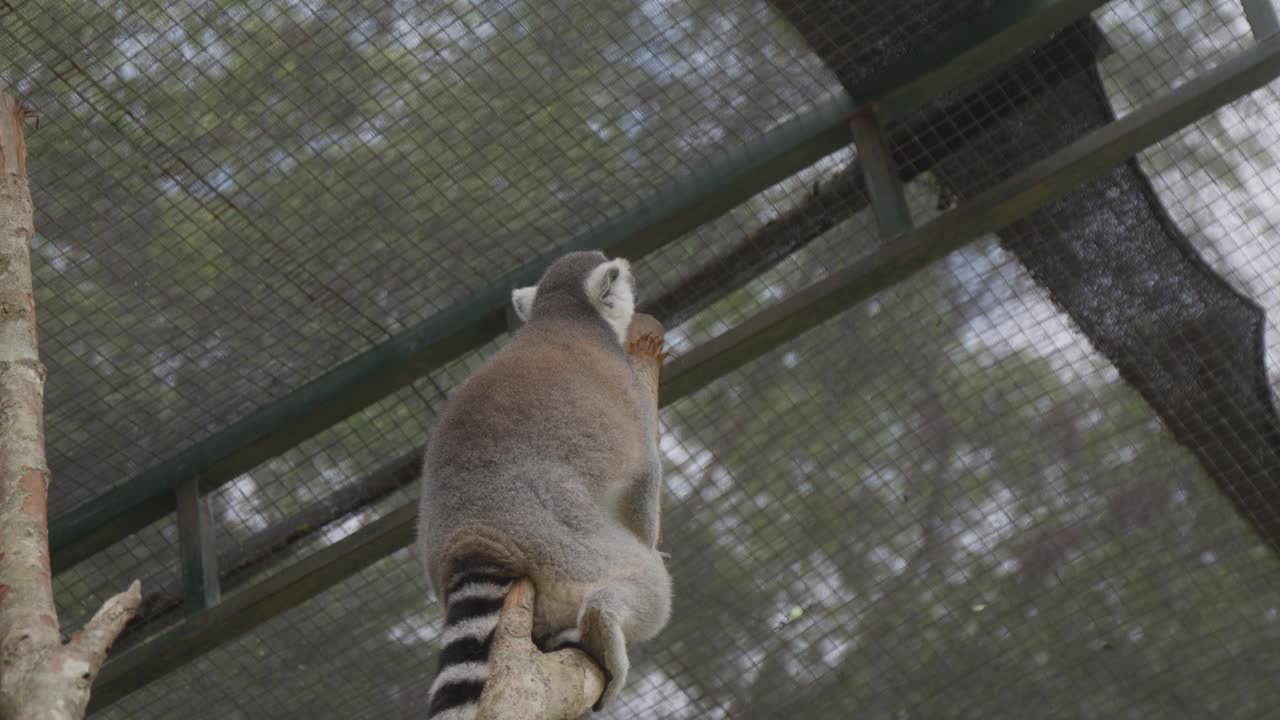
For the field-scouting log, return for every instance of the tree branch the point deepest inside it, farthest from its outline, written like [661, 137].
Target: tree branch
[526, 684]
[40, 678]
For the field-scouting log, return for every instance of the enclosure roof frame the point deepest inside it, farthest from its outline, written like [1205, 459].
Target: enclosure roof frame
[963, 54]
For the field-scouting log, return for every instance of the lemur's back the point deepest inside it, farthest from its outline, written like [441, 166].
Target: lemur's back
[511, 450]
[529, 401]
[545, 465]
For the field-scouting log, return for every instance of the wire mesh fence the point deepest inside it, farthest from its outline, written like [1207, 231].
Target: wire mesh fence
[1010, 485]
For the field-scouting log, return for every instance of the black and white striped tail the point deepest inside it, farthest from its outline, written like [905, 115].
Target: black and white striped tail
[474, 597]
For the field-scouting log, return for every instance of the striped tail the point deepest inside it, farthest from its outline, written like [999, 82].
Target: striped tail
[474, 597]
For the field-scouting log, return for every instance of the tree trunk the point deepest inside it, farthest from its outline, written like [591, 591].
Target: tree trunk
[40, 677]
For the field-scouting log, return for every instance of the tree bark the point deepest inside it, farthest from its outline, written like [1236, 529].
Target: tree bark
[524, 683]
[40, 677]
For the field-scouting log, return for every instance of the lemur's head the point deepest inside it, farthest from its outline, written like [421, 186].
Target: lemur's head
[583, 280]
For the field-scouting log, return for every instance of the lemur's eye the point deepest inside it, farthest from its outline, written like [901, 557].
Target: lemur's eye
[613, 274]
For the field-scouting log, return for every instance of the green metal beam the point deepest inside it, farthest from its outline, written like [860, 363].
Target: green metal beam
[207, 629]
[1010, 200]
[971, 49]
[968, 51]
[198, 548]
[888, 201]
[1261, 15]
[369, 377]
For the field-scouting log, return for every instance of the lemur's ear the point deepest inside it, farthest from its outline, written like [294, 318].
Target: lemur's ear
[522, 300]
[605, 277]
[611, 289]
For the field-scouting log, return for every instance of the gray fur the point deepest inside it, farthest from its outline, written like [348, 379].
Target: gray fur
[545, 463]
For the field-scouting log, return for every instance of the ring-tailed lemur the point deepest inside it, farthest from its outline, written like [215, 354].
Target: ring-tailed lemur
[545, 465]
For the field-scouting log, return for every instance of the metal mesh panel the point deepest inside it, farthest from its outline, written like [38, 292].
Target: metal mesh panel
[963, 520]
[1001, 487]
[294, 184]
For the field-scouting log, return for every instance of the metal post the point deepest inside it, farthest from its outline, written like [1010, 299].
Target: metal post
[1261, 15]
[198, 548]
[885, 187]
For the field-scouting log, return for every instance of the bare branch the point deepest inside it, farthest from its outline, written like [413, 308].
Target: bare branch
[40, 678]
[525, 683]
